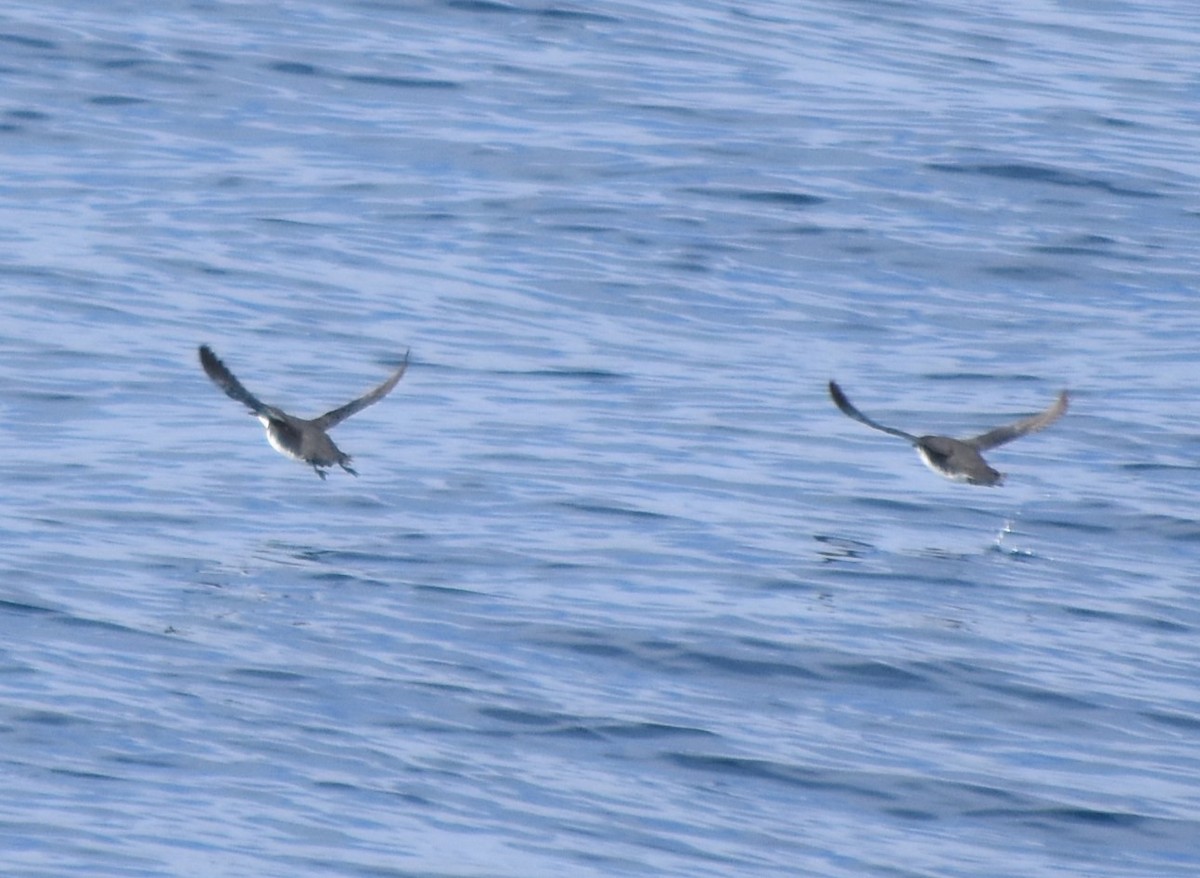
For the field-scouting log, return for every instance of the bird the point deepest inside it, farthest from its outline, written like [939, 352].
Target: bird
[960, 460]
[299, 438]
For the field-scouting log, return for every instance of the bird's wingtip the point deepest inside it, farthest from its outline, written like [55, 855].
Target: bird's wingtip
[836, 394]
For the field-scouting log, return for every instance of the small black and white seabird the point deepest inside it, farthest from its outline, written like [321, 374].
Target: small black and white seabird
[298, 438]
[959, 459]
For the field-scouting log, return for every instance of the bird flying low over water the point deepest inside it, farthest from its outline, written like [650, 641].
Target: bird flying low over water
[959, 459]
[298, 438]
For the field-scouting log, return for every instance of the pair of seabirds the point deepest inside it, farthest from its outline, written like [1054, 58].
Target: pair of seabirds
[308, 440]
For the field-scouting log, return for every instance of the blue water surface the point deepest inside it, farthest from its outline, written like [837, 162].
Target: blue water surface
[618, 591]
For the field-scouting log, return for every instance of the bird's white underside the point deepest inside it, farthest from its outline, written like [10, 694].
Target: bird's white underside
[275, 442]
[928, 461]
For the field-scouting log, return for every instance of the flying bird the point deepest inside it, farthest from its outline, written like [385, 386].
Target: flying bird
[298, 438]
[959, 459]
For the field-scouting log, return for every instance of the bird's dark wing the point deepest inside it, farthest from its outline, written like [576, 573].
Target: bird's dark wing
[1032, 424]
[223, 378]
[332, 419]
[839, 399]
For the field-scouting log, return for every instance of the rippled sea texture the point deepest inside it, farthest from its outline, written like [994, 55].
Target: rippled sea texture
[618, 590]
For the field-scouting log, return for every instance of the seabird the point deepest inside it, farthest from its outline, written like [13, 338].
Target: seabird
[298, 438]
[959, 459]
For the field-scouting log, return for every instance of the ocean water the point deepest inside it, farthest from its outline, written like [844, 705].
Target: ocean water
[618, 591]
